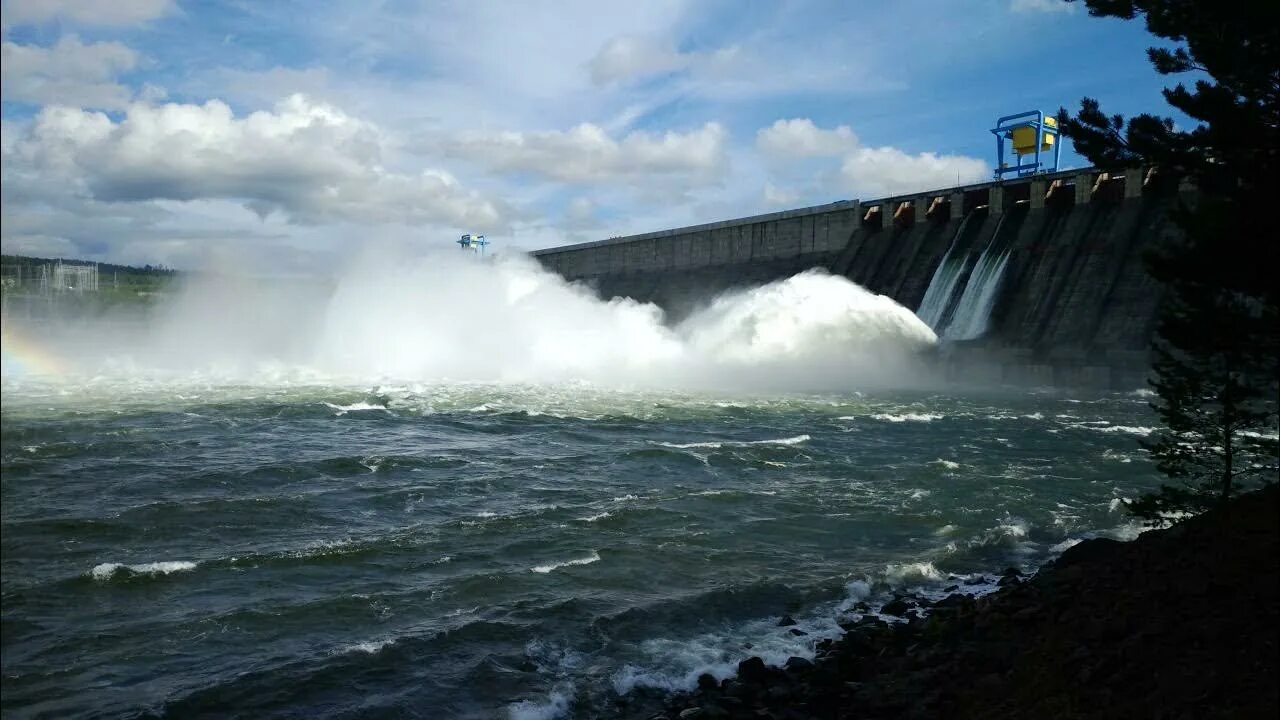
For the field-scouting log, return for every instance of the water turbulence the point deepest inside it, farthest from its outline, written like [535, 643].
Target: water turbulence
[462, 488]
[508, 320]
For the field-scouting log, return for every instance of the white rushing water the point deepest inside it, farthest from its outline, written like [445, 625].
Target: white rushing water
[943, 283]
[458, 318]
[972, 313]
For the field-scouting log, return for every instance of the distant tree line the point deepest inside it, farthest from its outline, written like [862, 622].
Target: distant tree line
[28, 266]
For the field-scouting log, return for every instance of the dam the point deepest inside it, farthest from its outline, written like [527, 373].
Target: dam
[1033, 281]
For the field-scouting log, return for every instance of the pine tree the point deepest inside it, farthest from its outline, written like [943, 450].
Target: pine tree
[1216, 353]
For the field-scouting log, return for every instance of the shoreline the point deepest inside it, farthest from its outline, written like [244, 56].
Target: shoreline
[1179, 622]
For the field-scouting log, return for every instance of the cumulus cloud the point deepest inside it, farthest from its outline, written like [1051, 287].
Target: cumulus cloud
[864, 171]
[71, 72]
[587, 154]
[779, 197]
[800, 138]
[1044, 6]
[310, 161]
[888, 171]
[115, 13]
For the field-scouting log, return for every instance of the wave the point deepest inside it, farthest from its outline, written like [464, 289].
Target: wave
[593, 557]
[904, 417]
[796, 440]
[1127, 429]
[107, 571]
[596, 517]
[900, 574]
[340, 410]
[556, 705]
[369, 648]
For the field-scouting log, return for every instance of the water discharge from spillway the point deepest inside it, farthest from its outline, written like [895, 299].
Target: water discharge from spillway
[962, 293]
[458, 318]
[942, 286]
[973, 310]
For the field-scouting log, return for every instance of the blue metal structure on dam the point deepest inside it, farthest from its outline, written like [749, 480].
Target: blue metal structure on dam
[473, 242]
[1029, 133]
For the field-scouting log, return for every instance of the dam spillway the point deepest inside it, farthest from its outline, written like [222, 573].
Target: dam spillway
[1032, 281]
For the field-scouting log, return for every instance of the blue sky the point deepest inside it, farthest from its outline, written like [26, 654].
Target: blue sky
[170, 131]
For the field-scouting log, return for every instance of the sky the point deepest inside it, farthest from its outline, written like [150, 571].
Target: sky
[293, 133]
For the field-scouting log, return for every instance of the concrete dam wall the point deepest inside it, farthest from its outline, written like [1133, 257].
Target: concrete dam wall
[1036, 281]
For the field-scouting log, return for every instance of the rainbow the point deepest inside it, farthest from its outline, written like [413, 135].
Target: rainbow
[22, 354]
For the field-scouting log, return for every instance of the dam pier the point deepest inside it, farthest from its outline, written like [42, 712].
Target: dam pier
[1033, 281]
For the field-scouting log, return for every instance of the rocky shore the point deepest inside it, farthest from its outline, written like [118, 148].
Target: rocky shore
[1179, 623]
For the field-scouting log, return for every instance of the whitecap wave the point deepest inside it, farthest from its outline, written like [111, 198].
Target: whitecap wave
[796, 440]
[901, 574]
[556, 705]
[340, 410]
[105, 571]
[369, 648]
[903, 417]
[594, 557]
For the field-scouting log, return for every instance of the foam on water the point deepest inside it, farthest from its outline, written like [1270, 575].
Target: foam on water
[796, 440]
[903, 417]
[593, 557]
[105, 571]
[556, 705]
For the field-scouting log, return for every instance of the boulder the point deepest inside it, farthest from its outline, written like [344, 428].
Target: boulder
[796, 663]
[752, 670]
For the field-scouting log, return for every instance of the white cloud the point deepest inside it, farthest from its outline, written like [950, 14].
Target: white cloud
[874, 172]
[864, 171]
[800, 138]
[626, 58]
[309, 161]
[87, 12]
[1044, 6]
[587, 154]
[70, 73]
[780, 197]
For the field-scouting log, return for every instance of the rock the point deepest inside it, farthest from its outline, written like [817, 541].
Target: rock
[1009, 580]
[735, 689]
[1027, 613]
[980, 580]
[779, 693]
[797, 632]
[747, 646]
[897, 606]
[796, 663]
[692, 713]
[707, 681]
[786, 621]
[1087, 551]
[752, 670]
[950, 588]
